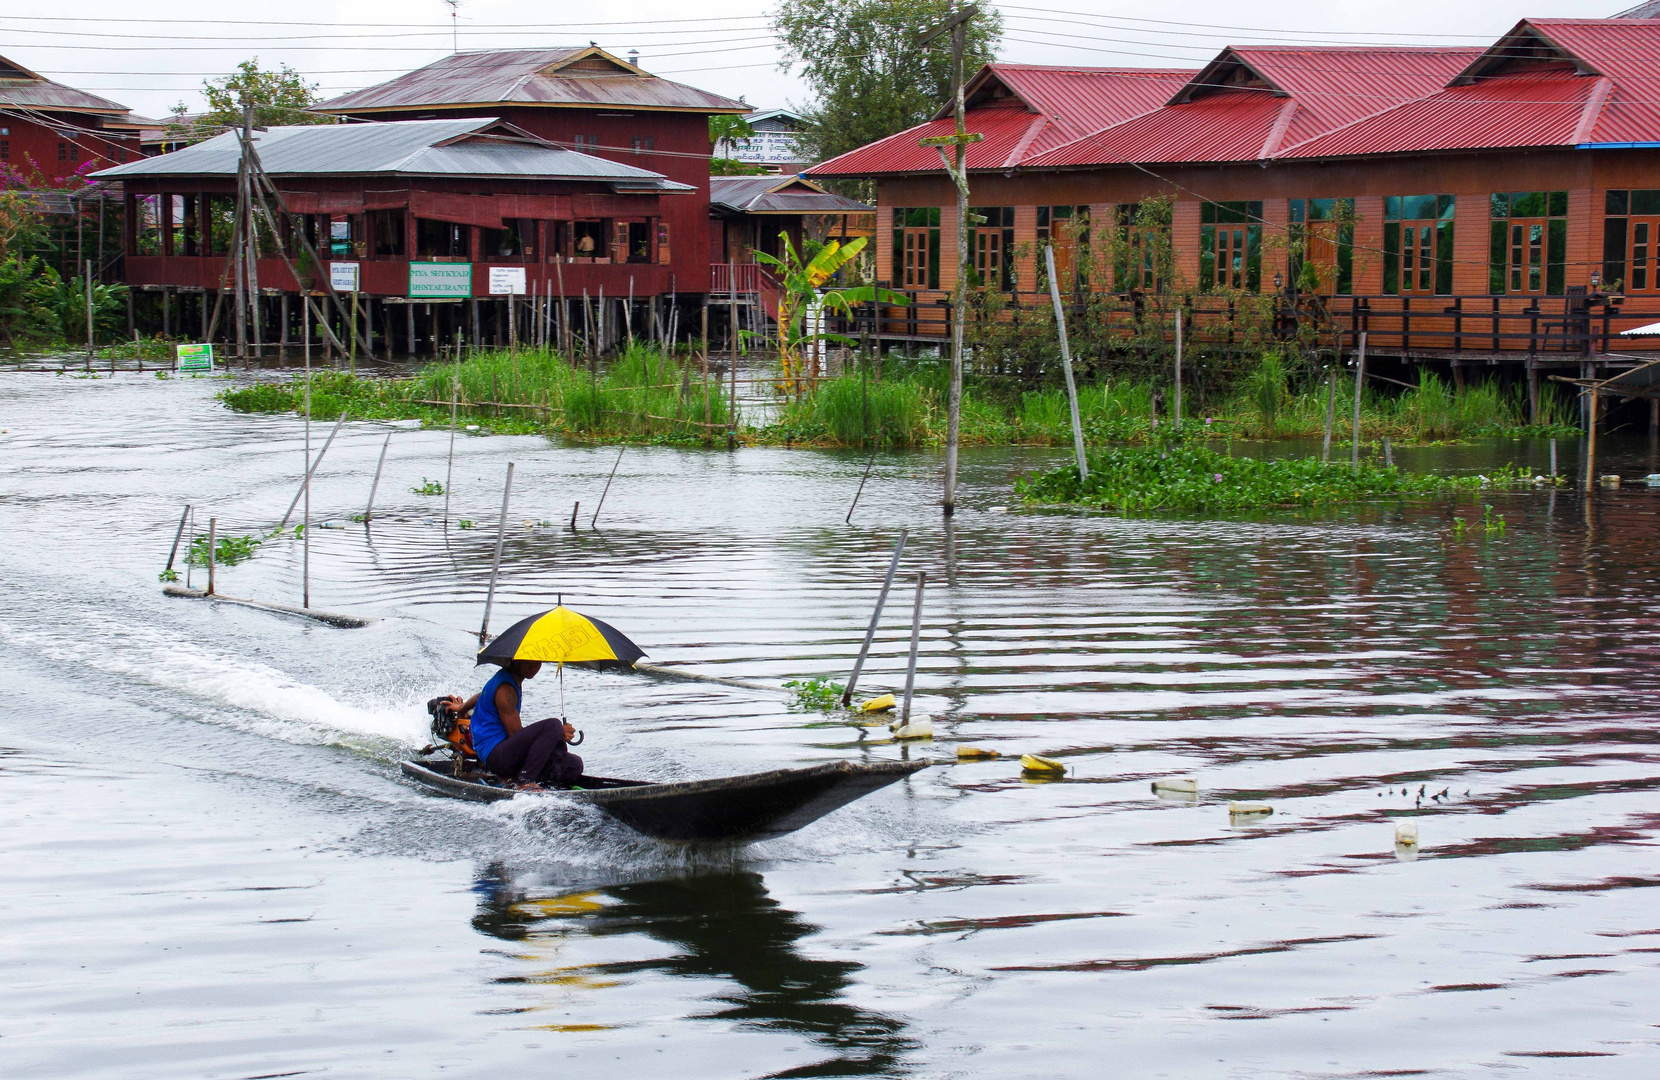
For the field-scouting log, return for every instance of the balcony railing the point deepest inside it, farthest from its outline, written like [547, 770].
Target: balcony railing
[1553, 327]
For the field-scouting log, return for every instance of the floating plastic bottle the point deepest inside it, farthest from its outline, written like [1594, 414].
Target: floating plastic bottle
[879, 704]
[976, 753]
[920, 727]
[1177, 785]
[1046, 766]
[1249, 810]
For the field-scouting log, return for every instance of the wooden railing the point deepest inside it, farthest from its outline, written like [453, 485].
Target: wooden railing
[1549, 327]
[749, 277]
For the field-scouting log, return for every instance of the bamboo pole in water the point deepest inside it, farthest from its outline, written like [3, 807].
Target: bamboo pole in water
[495, 563]
[601, 505]
[1360, 382]
[305, 484]
[916, 636]
[1331, 413]
[213, 536]
[1066, 369]
[875, 617]
[369, 511]
[455, 399]
[305, 528]
[1591, 444]
[171, 555]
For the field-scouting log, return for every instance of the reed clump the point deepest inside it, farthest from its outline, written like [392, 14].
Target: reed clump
[642, 394]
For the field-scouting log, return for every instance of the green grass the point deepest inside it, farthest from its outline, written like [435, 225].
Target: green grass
[1189, 476]
[642, 395]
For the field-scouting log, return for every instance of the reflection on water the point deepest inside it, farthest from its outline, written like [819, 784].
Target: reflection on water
[721, 926]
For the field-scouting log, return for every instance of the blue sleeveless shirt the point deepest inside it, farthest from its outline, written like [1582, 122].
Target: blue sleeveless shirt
[487, 729]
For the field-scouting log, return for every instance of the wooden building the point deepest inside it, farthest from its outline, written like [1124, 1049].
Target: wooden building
[419, 213]
[1473, 205]
[583, 99]
[49, 131]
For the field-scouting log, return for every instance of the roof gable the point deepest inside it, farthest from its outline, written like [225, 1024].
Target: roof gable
[23, 88]
[1229, 70]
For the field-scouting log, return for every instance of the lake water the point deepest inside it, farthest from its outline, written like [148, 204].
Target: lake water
[213, 869]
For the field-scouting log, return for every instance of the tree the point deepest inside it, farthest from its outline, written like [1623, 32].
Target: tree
[868, 77]
[278, 97]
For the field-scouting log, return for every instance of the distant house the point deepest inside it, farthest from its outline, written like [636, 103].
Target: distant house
[582, 98]
[391, 201]
[752, 211]
[49, 131]
[774, 146]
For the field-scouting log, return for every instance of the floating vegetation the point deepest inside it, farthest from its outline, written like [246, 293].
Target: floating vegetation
[1176, 475]
[229, 551]
[464, 523]
[428, 487]
[819, 695]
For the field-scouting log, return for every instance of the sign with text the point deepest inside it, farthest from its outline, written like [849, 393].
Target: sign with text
[343, 276]
[440, 281]
[507, 281]
[195, 358]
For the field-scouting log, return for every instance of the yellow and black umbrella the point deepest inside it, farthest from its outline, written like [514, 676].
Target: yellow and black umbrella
[562, 636]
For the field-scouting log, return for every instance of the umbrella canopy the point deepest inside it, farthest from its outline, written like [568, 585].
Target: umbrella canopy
[1651, 330]
[562, 636]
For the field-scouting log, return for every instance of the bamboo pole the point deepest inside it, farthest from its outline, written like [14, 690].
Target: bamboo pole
[875, 617]
[177, 536]
[305, 484]
[495, 563]
[305, 529]
[1066, 368]
[601, 505]
[1360, 382]
[213, 536]
[1591, 443]
[916, 636]
[455, 400]
[369, 510]
[1331, 413]
[1176, 418]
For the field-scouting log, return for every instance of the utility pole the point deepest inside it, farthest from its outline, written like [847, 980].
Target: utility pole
[955, 24]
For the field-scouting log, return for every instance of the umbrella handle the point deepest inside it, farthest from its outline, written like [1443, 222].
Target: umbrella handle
[577, 741]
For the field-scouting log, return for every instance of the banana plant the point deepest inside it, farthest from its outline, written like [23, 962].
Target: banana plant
[799, 285]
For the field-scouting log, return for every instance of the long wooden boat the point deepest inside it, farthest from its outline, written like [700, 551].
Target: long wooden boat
[729, 808]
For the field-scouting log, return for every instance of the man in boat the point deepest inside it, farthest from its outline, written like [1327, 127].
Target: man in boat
[524, 755]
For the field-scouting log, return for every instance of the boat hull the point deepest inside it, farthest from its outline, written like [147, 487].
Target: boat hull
[729, 808]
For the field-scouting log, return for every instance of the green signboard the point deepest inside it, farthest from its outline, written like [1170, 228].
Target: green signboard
[195, 358]
[440, 281]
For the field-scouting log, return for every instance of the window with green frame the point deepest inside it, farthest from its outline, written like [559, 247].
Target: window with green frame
[1230, 245]
[1631, 241]
[916, 247]
[1418, 244]
[1322, 234]
[1529, 245]
[991, 242]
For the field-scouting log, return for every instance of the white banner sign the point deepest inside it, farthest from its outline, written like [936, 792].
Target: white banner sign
[343, 276]
[507, 281]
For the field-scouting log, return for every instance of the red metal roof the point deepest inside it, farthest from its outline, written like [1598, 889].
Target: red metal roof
[1031, 109]
[1248, 103]
[1549, 82]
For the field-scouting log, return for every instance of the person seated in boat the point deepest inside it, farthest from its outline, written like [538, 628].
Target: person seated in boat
[523, 754]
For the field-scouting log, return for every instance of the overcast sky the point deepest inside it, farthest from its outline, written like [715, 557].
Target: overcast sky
[108, 47]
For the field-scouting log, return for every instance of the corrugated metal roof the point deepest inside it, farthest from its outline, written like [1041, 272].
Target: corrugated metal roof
[533, 77]
[1543, 108]
[403, 147]
[1224, 125]
[22, 88]
[777, 195]
[1036, 108]
[1335, 86]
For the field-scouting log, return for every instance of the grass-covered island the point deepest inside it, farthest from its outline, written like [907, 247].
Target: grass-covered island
[1188, 476]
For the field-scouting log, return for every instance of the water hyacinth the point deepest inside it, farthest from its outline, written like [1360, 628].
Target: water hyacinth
[1190, 476]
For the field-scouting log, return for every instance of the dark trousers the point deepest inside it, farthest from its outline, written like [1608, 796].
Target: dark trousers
[536, 755]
